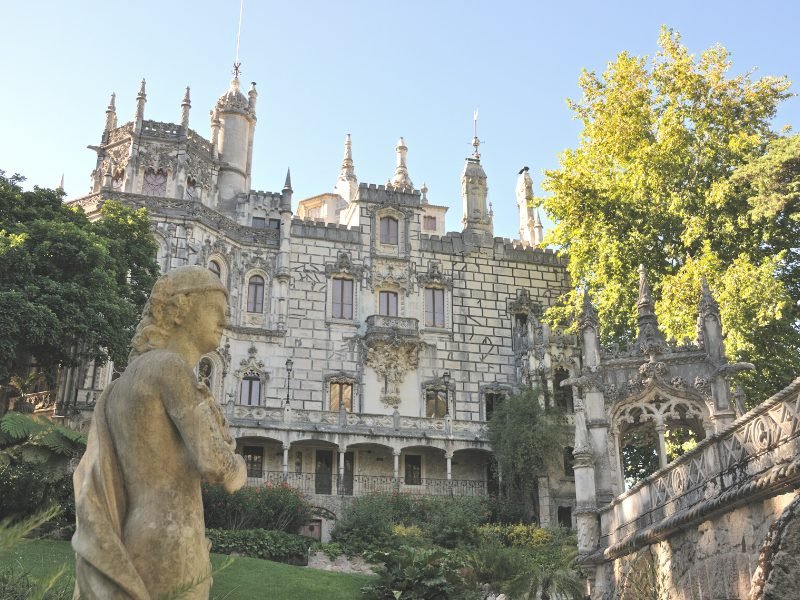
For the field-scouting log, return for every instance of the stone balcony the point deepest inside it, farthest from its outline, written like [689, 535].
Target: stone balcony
[382, 326]
[356, 424]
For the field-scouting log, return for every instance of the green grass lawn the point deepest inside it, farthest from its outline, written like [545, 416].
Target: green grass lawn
[245, 579]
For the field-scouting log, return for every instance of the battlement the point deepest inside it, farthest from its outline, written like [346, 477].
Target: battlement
[158, 129]
[381, 194]
[320, 230]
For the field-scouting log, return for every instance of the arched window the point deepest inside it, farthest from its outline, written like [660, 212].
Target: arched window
[388, 230]
[214, 267]
[205, 372]
[255, 294]
[155, 183]
[250, 392]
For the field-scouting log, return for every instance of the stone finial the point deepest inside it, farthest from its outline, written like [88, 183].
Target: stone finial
[288, 183]
[286, 194]
[61, 184]
[582, 448]
[141, 100]
[424, 191]
[186, 105]
[347, 172]
[588, 316]
[650, 339]
[401, 178]
[111, 113]
[252, 97]
[215, 126]
[708, 305]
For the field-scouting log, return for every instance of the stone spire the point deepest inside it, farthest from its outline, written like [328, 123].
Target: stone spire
[524, 193]
[401, 178]
[141, 100]
[650, 339]
[252, 97]
[215, 124]
[286, 194]
[538, 229]
[474, 193]
[186, 105]
[348, 171]
[111, 113]
[709, 323]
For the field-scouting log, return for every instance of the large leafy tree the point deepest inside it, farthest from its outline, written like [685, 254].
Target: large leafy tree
[71, 290]
[678, 168]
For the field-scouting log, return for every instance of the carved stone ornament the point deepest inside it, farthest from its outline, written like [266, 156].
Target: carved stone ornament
[703, 385]
[652, 370]
[588, 318]
[435, 276]
[523, 304]
[391, 361]
[154, 156]
[251, 367]
[587, 381]
[390, 274]
[344, 266]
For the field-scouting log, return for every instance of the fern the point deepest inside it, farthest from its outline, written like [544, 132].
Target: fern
[19, 426]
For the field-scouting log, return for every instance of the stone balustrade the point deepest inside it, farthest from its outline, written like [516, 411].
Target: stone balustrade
[756, 456]
[382, 325]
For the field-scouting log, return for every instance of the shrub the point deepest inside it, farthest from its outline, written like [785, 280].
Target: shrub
[421, 574]
[497, 565]
[271, 507]
[519, 535]
[332, 550]
[506, 510]
[367, 524]
[454, 521]
[411, 535]
[259, 543]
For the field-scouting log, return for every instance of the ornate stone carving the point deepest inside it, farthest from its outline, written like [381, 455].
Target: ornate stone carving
[344, 266]
[703, 385]
[390, 274]
[435, 276]
[391, 361]
[652, 370]
[588, 318]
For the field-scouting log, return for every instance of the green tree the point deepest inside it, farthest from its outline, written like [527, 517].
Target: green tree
[678, 168]
[526, 440]
[71, 290]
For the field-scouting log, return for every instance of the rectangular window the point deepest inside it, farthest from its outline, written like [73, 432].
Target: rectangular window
[492, 401]
[389, 230]
[341, 395]
[298, 462]
[274, 224]
[429, 223]
[435, 403]
[434, 307]
[387, 304]
[413, 469]
[565, 517]
[250, 393]
[254, 460]
[342, 304]
[259, 222]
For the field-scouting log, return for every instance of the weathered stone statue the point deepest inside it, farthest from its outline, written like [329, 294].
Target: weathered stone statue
[156, 434]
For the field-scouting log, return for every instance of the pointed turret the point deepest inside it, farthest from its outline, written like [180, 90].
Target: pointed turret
[60, 187]
[237, 122]
[111, 114]
[651, 340]
[141, 100]
[401, 179]
[252, 97]
[347, 183]
[186, 105]
[474, 192]
[709, 323]
[286, 194]
[524, 194]
[538, 229]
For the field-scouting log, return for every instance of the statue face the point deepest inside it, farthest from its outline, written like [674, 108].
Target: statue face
[208, 319]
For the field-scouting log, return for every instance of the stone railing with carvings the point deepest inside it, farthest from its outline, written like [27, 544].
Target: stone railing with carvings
[37, 403]
[199, 142]
[356, 423]
[758, 455]
[382, 324]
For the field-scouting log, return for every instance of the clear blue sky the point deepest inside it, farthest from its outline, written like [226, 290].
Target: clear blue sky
[377, 70]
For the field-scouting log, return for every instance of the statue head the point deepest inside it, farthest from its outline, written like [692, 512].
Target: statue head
[176, 296]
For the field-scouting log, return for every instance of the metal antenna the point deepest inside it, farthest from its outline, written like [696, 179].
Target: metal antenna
[236, 63]
[475, 141]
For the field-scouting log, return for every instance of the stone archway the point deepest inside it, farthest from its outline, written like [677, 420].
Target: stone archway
[779, 559]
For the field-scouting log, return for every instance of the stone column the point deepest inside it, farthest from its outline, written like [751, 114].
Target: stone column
[544, 502]
[449, 458]
[396, 467]
[662, 445]
[285, 461]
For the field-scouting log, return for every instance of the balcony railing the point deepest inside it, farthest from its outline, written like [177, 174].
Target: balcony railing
[364, 485]
[383, 325]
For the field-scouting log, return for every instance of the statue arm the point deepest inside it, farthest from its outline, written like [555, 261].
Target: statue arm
[203, 429]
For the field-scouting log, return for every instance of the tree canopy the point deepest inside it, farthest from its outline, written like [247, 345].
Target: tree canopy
[70, 289]
[678, 168]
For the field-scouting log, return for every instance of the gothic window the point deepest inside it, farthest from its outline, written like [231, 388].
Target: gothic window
[155, 183]
[562, 395]
[341, 395]
[255, 294]
[250, 392]
[429, 223]
[254, 460]
[435, 403]
[434, 307]
[569, 461]
[387, 304]
[389, 230]
[205, 372]
[259, 222]
[491, 401]
[214, 267]
[342, 298]
[413, 469]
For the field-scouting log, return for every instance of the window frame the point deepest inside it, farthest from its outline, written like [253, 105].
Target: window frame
[249, 455]
[389, 230]
[259, 222]
[437, 320]
[340, 386]
[250, 380]
[218, 271]
[415, 476]
[255, 304]
[427, 221]
[392, 300]
[339, 286]
[440, 393]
